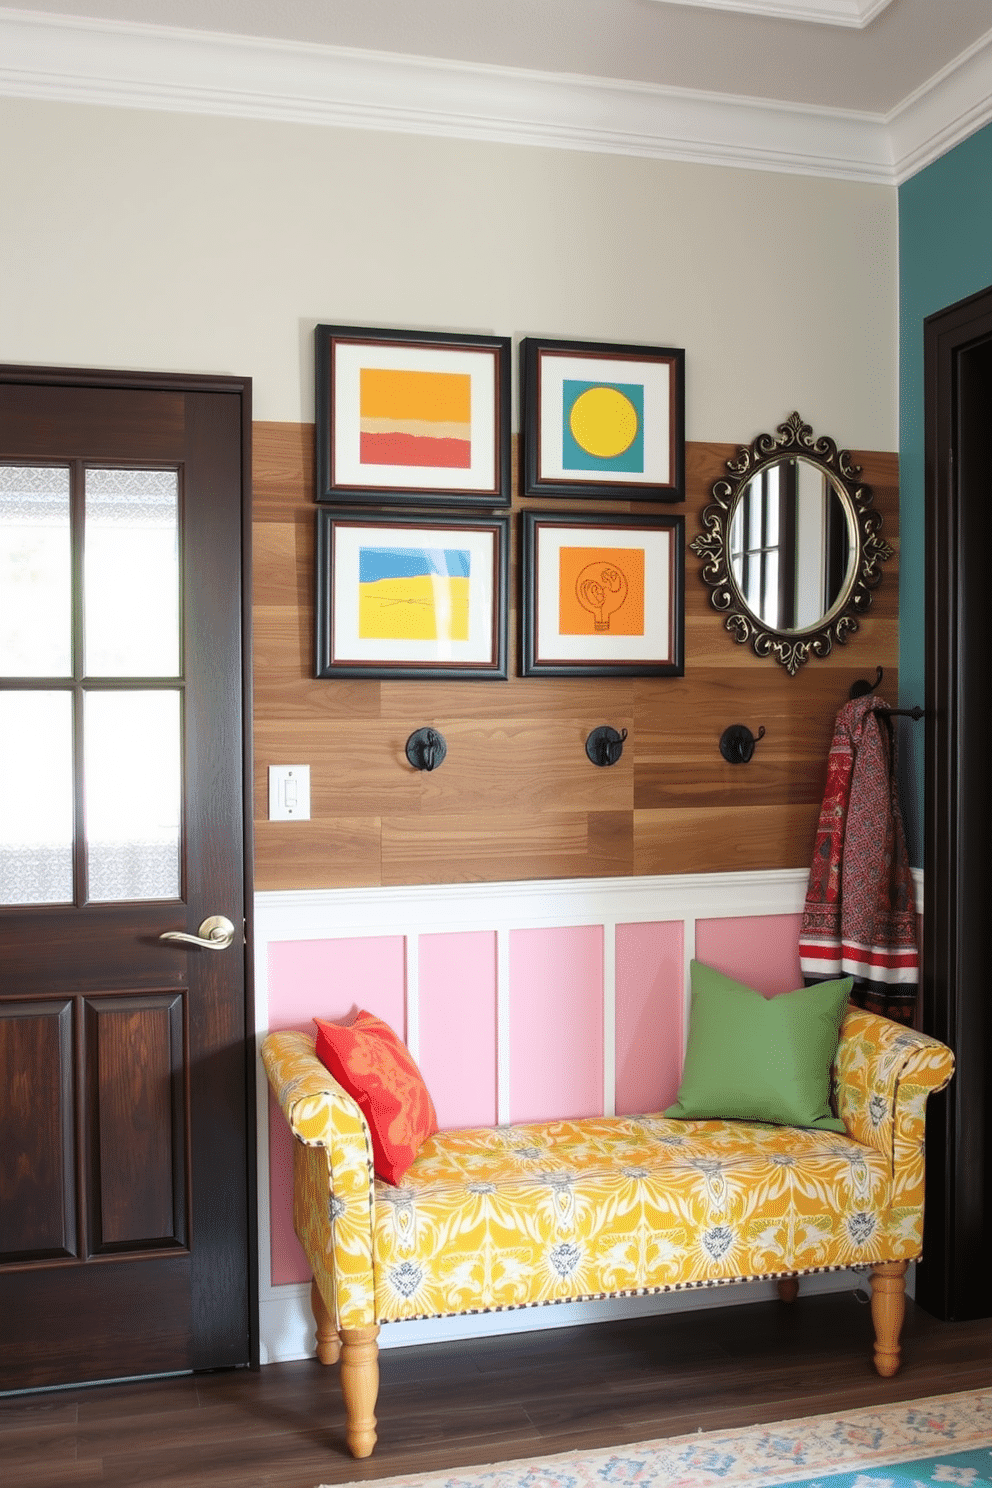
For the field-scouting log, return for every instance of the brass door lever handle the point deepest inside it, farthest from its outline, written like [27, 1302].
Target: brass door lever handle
[216, 934]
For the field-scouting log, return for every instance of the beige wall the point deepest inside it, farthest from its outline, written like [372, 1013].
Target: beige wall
[172, 242]
[162, 241]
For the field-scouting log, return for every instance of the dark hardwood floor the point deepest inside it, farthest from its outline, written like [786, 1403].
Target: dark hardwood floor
[454, 1405]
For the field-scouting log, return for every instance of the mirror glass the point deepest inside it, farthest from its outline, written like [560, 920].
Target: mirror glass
[790, 548]
[791, 545]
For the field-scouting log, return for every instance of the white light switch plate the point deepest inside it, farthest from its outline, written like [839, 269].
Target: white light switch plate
[289, 793]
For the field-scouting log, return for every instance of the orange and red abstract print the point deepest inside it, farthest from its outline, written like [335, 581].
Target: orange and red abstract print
[601, 591]
[415, 418]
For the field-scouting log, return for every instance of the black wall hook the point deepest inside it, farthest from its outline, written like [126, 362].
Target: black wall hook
[604, 745]
[862, 687]
[426, 749]
[737, 743]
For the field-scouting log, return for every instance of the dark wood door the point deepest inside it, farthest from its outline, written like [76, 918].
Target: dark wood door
[125, 1201]
[954, 1279]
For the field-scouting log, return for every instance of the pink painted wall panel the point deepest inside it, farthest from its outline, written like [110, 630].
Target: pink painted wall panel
[761, 950]
[556, 1023]
[328, 979]
[650, 1002]
[458, 1026]
[335, 978]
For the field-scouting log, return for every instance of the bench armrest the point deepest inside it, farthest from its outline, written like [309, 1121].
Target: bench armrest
[333, 1184]
[883, 1075]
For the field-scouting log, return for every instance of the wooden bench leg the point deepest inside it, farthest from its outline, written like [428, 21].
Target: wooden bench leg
[788, 1288]
[360, 1386]
[888, 1308]
[328, 1340]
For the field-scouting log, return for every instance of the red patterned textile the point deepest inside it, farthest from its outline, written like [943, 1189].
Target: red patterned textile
[860, 914]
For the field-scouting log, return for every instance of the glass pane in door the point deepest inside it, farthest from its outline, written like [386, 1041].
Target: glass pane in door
[132, 783]
[36, 798]
[131, 573]
[35, 572]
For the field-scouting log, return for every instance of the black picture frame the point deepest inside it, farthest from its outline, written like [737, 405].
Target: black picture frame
[613, 392]
[567, 612]
[421, 576]
[366, 443]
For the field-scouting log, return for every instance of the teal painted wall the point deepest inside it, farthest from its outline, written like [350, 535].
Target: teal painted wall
[945, 254]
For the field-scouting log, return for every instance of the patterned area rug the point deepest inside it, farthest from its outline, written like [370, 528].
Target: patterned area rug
[943, 1439]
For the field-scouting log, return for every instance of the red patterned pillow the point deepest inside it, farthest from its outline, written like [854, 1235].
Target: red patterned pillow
[376, 1069]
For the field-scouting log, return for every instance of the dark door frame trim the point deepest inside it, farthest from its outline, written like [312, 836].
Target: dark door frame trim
[240, 387]
[956, 911]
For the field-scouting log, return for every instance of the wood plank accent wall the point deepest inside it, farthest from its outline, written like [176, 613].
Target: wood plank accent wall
[516, 797]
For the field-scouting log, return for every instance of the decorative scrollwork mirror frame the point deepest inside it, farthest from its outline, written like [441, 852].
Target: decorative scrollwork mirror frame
[792, 648]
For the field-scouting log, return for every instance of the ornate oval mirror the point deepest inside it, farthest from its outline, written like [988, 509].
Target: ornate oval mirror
[791, 545]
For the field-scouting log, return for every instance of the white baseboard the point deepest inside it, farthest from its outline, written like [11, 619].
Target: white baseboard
[287, 1329]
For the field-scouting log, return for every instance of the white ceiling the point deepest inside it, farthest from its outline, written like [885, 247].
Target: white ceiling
[868, 89]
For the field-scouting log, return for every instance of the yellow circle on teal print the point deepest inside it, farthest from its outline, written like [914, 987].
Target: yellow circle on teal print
[603, 422]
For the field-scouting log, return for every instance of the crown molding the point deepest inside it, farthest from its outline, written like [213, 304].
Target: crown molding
[76, 60]
[952, 105]
[859, 13]
[68, 59]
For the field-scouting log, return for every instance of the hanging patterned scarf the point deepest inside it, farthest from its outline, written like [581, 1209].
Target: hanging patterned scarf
[860, 914]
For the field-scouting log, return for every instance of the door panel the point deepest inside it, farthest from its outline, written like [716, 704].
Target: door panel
[125, 1203]
[136, 1080]
[37, 1158]
[100, 1312]
[148, 426]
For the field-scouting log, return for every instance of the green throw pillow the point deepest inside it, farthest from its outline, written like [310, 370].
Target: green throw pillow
[755, 1058]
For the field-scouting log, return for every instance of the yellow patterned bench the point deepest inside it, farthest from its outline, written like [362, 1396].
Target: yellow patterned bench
[516, 1216]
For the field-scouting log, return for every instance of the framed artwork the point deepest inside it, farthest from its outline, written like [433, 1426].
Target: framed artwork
[407, 596]
[413, 417]
[602, 595]
[602, 420]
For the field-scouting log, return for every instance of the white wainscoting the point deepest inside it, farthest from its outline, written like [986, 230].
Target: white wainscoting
[286, 1326]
